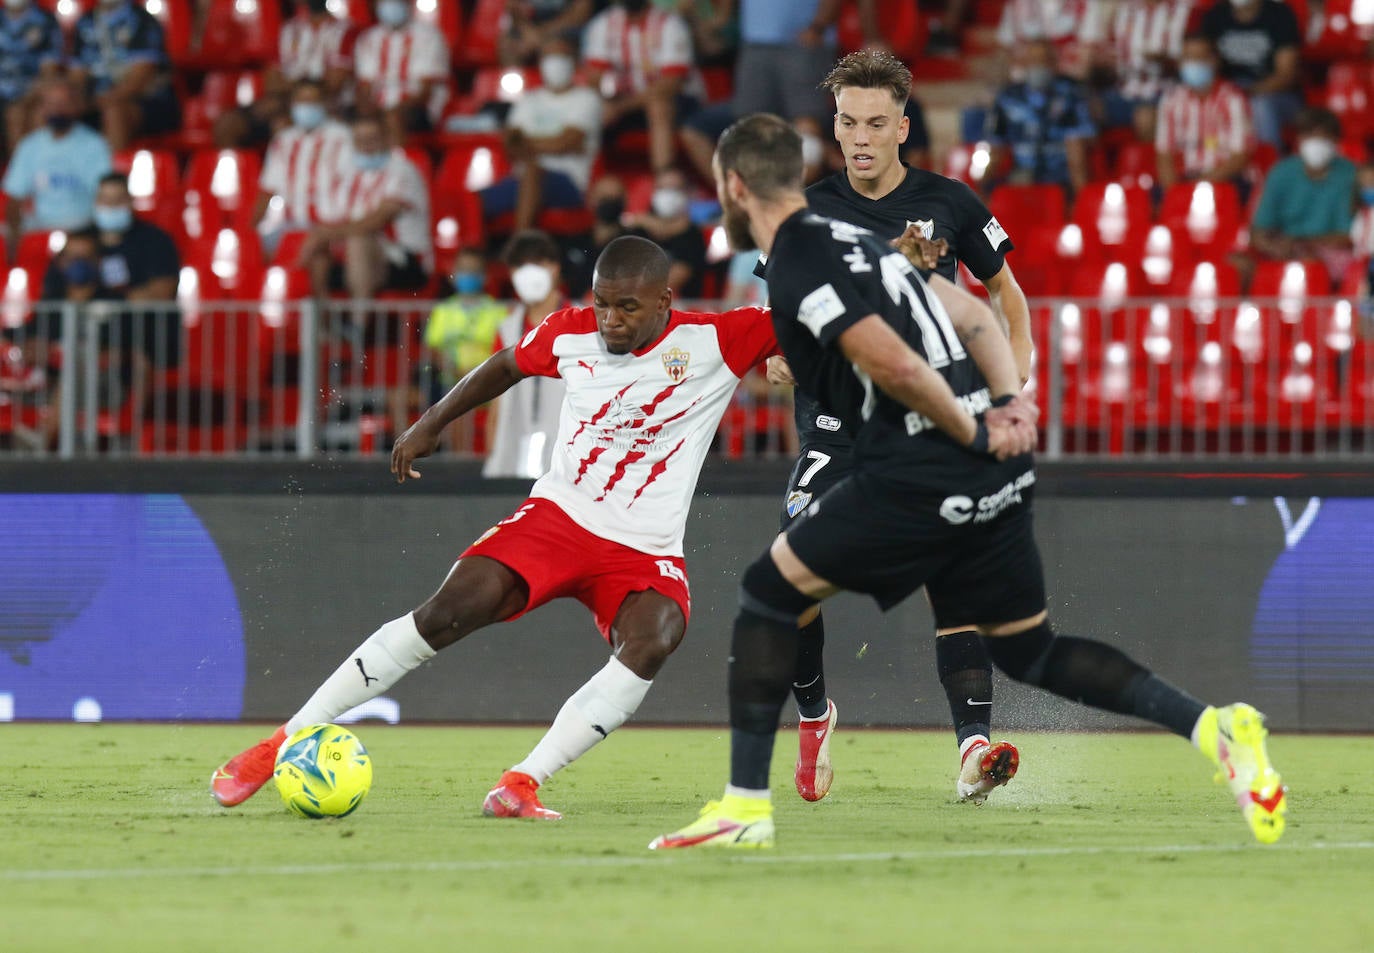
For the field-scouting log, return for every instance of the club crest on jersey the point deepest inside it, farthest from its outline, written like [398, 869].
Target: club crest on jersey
[675, 363]
[926, 226]
[796, 502]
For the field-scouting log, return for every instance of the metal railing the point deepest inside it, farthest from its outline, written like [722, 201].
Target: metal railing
[1137, 378]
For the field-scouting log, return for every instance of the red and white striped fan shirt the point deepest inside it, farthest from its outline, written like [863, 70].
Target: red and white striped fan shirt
[1204, 130]
[637, 50]
[636, 427]
[1141, 34]
[361, 191]
[308, 48]
[304, 168]
[1362, 232]
[397, 64]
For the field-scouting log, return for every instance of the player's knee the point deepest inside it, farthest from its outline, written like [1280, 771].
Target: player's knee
[763, 591]
[1022, 656]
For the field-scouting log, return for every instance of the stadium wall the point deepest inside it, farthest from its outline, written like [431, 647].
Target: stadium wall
[220, 591]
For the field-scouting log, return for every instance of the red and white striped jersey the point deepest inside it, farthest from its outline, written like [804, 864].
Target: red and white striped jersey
[304, 168]
[307, 48]
[1059, 21]
[1141, 35]
[1204, 130]
[361, 191]
[397, 64]
[635, 427]
[637, 50]
[1362, 232]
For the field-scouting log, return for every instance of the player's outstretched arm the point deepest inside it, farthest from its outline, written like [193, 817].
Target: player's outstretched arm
[487, 381]
[1010, 307]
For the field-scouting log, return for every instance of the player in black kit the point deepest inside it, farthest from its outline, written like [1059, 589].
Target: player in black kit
[940, 494]
[921, 211]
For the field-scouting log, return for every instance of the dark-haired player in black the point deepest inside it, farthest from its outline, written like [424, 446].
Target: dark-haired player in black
[926, 214]
[939, 496]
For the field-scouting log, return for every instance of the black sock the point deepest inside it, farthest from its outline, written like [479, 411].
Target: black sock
[966, 674]
[763, 654]
[808, 681]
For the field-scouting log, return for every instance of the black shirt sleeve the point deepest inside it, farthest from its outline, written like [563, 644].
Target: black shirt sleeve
[156, 256]
[982, 244]
[821, 290]
[1283, 25]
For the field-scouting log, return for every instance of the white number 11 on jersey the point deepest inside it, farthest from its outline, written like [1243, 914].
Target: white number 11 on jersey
[942, 344]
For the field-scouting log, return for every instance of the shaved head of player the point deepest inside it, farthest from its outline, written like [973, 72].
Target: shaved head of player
[630, 293]
[871, 88]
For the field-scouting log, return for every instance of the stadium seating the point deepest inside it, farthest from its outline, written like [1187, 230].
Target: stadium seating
[1205, 214]
[1113, 217]
[1348, 94]
[240, 33]
[221, 189]
[481, 36]
[155, 185]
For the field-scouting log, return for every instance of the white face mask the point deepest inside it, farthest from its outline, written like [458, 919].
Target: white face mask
[532, 283]
[812, 150]
[1317, 153]
[668, 203]
[557, 70]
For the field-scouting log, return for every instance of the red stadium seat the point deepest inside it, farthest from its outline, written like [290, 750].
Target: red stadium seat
[446, 17]
[240, 33]
[1113, 218]
[1135, 164]
[904, 29]
[968, 163]
[1291, 285]
[175, 18]
[155, 185]
[1341, 32]
[1348, 94]
[221, 190]
[1158, 255]
[1204, 288]
[1021, 208]
[471, 164]
[1207, 214]
[480, 39]
[457, 224]
[230, 264]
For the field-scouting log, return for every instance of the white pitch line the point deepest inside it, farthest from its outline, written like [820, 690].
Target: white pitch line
[464, 866]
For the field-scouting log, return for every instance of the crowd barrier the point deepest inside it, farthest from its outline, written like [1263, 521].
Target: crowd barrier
[1203, 377]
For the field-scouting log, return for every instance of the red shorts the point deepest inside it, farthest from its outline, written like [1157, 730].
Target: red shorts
[556, 558]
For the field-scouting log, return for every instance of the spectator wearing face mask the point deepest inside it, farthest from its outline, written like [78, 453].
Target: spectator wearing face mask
[1308, 200]
[401, 67]
[377, 235]
[1362, 231]
[303, 166]
[31, 49]
[524, 425]
[119, 57]
[1204, 133]
[1258, 43]
[1041, 123]
[669, 225]
[1140, 48]
[53, 176]
[553, 134]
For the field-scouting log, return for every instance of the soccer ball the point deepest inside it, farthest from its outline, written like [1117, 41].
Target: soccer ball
[323, 771]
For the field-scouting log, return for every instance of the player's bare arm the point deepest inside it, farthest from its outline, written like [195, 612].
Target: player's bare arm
[1009, 304]
[485, 382]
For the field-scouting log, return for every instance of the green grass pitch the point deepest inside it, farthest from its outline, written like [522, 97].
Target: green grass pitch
[1105, 842]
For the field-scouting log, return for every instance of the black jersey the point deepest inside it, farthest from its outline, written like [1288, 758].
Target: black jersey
[943, 208]
[825, 275]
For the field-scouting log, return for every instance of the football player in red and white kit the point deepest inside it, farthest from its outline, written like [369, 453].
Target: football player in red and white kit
[646, 387]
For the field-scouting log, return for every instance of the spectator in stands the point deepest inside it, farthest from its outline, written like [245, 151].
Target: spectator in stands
[1204, 133]
[641, 60]
[458, 335]
[784, 46]
[31, 48]
[120, 262]
[944, 39]
[302, 168]
[1142, 46]
[524, 426]
[55, 170]
[120, 60]
[715, 28]
[1362, 231]
[1307, 205]
[553, 134]
[377, 238]
[531, 24]
[401, 67]
[668, 223]
[1043, 122]
[1065, 24]
[606, 199]
[1258, 43]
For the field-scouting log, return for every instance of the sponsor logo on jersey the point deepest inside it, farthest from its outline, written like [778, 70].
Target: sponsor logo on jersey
[994, 233]
[819, 308]
[956, 509]
[979, 402]
[797, 501]
[826, 422]
[675, 363]
[926, 226]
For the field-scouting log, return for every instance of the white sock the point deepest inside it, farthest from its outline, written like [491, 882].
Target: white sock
[970, 741]
[595, 710]
[750, 793]
[376, 665]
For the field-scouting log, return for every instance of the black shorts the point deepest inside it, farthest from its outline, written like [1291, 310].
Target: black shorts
[818, 468]
[869, 535]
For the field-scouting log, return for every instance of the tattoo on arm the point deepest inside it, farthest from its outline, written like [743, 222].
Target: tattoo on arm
[968, 334]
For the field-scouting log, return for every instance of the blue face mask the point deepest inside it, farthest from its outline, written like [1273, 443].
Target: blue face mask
[113, 219]
[393, 13]
[80, 271]
[1367, 196]
[468, 282]
[307, 115]
[370, 161]
[1195, 75]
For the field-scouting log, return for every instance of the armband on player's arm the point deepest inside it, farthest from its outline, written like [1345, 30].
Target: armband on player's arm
[1003, 400]
[980, 439]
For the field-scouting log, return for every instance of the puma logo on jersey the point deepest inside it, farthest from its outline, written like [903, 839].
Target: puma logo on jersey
[590, 367]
